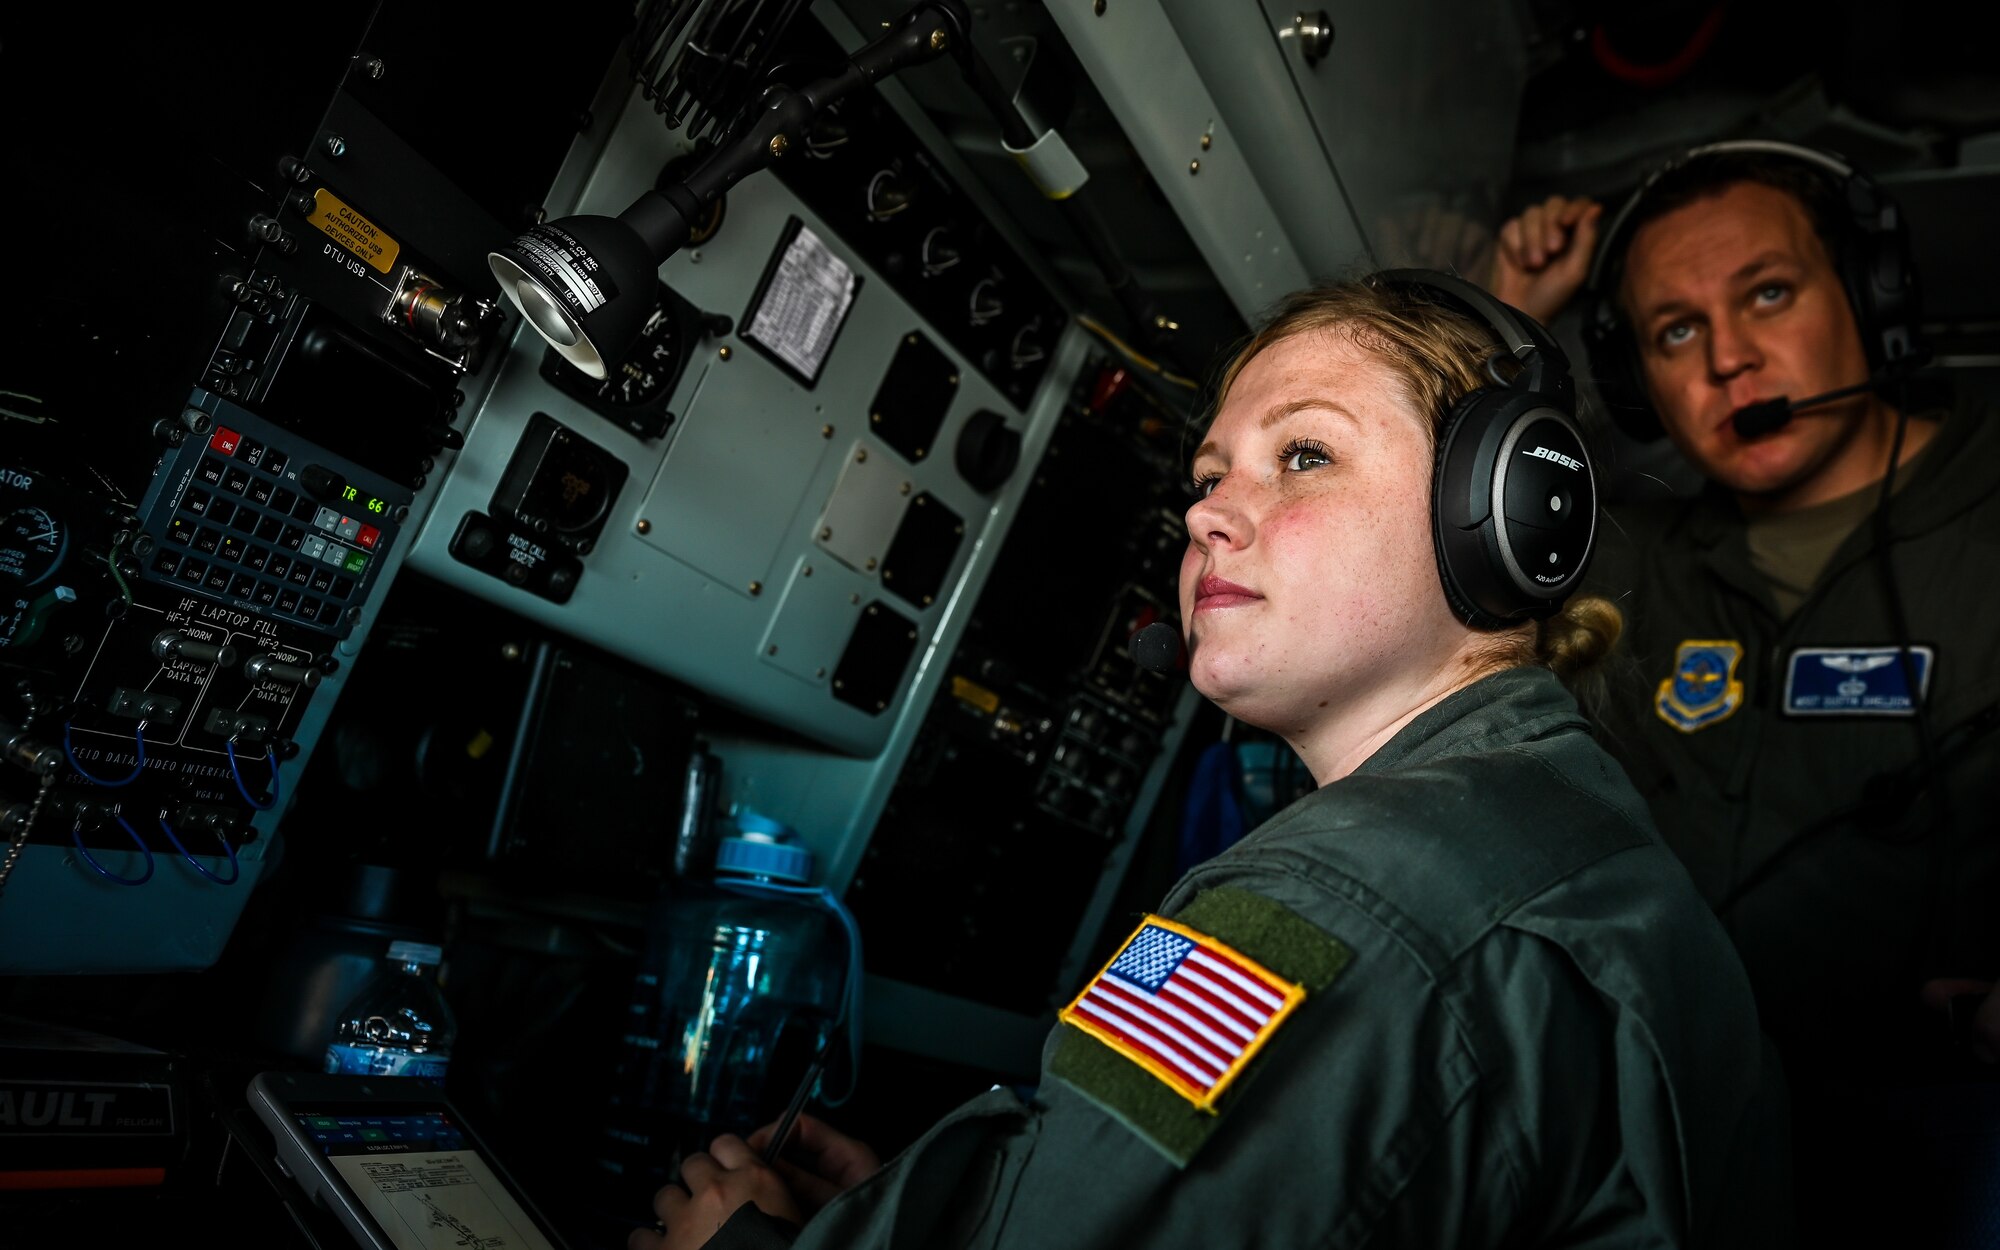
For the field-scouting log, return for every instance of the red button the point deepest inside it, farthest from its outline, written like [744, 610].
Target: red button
[367, 536]
[224, 440]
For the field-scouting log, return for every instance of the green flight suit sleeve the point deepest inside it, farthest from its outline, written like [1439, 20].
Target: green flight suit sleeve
[1405, 1102]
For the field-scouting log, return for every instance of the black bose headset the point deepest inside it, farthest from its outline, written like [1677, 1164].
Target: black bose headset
[1513, 494]
[1872, 256]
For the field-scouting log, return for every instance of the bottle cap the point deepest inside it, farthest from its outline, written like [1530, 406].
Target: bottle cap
[415, 953]
[764, 849]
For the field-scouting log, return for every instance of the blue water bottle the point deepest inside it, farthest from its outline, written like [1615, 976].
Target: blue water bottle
[747, 979]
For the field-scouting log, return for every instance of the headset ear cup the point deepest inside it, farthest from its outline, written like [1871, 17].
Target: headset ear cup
[1882, 289]
[1615, 370]
[1454, 434]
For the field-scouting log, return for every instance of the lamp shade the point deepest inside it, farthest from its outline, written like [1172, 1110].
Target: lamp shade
[587, 285]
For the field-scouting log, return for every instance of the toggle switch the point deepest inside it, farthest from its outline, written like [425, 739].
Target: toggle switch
[172, 644]
[267, 668]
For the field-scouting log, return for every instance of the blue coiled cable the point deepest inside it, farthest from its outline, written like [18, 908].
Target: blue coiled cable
[76, 836]
[235, 868]
[139, 735]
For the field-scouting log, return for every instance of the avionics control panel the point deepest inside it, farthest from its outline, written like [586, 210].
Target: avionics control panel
[246, 514]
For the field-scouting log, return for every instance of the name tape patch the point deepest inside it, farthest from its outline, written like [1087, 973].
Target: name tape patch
[1854, 681]
[1184, 1007]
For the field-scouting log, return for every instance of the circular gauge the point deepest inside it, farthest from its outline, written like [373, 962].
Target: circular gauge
[32, 543]
[649, 367]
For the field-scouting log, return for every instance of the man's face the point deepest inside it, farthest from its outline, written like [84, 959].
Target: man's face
[1734, 299]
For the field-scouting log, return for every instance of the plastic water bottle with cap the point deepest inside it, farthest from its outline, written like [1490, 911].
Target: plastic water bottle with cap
[748, 980]
[399, 1024]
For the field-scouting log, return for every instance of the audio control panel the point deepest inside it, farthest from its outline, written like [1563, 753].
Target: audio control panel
[244, 513]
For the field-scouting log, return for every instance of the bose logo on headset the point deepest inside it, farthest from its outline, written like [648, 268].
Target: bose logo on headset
[1568, 462]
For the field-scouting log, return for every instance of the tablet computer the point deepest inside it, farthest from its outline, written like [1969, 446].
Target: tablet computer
[395, 1163]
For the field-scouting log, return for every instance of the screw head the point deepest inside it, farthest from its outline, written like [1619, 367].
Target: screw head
[1194, 167]
[756, 588]
[826, 431]
[335, 145]
[779, 144]
[939, 39]
[723, 351]
[644, 526]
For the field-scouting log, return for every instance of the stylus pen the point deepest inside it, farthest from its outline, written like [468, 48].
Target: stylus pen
[776, 1146]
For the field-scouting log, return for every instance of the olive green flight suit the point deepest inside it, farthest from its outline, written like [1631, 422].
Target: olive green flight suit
[1819, 838]
[1806, 830]
[1521, 1027]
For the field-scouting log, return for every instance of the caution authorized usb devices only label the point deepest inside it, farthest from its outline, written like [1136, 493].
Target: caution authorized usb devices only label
[347, 227]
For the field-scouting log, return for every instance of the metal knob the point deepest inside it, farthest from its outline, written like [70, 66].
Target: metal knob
[1315, 32]
[266, 668]
[172, 644]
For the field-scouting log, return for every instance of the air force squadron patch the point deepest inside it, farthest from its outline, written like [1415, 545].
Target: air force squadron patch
[1704, 688]
[1855, 681]
[1184, 1007]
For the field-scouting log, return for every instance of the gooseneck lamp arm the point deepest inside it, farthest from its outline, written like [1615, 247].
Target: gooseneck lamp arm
[586, 283]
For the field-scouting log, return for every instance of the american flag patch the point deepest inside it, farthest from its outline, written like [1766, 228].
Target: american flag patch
[1184, 1007]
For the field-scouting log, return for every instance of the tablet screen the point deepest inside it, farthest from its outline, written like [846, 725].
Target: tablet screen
[415, 1170]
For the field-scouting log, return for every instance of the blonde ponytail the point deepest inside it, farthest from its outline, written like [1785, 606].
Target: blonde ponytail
[1574, 642]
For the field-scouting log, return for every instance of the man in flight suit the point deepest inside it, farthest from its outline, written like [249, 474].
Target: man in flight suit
[1814, 672]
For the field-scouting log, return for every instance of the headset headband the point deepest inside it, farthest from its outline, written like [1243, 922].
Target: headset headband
[1545, 366]
[1607, 246]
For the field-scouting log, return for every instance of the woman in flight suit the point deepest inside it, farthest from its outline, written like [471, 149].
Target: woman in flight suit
[1458, 996]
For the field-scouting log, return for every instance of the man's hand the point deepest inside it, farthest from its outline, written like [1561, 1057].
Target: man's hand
[819, 1161]
[712, 1187]
[1544, 255]
[1985, 1020]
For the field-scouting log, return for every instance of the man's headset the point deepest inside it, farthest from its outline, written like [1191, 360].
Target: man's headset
[1513, 493]
[1872, 256]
